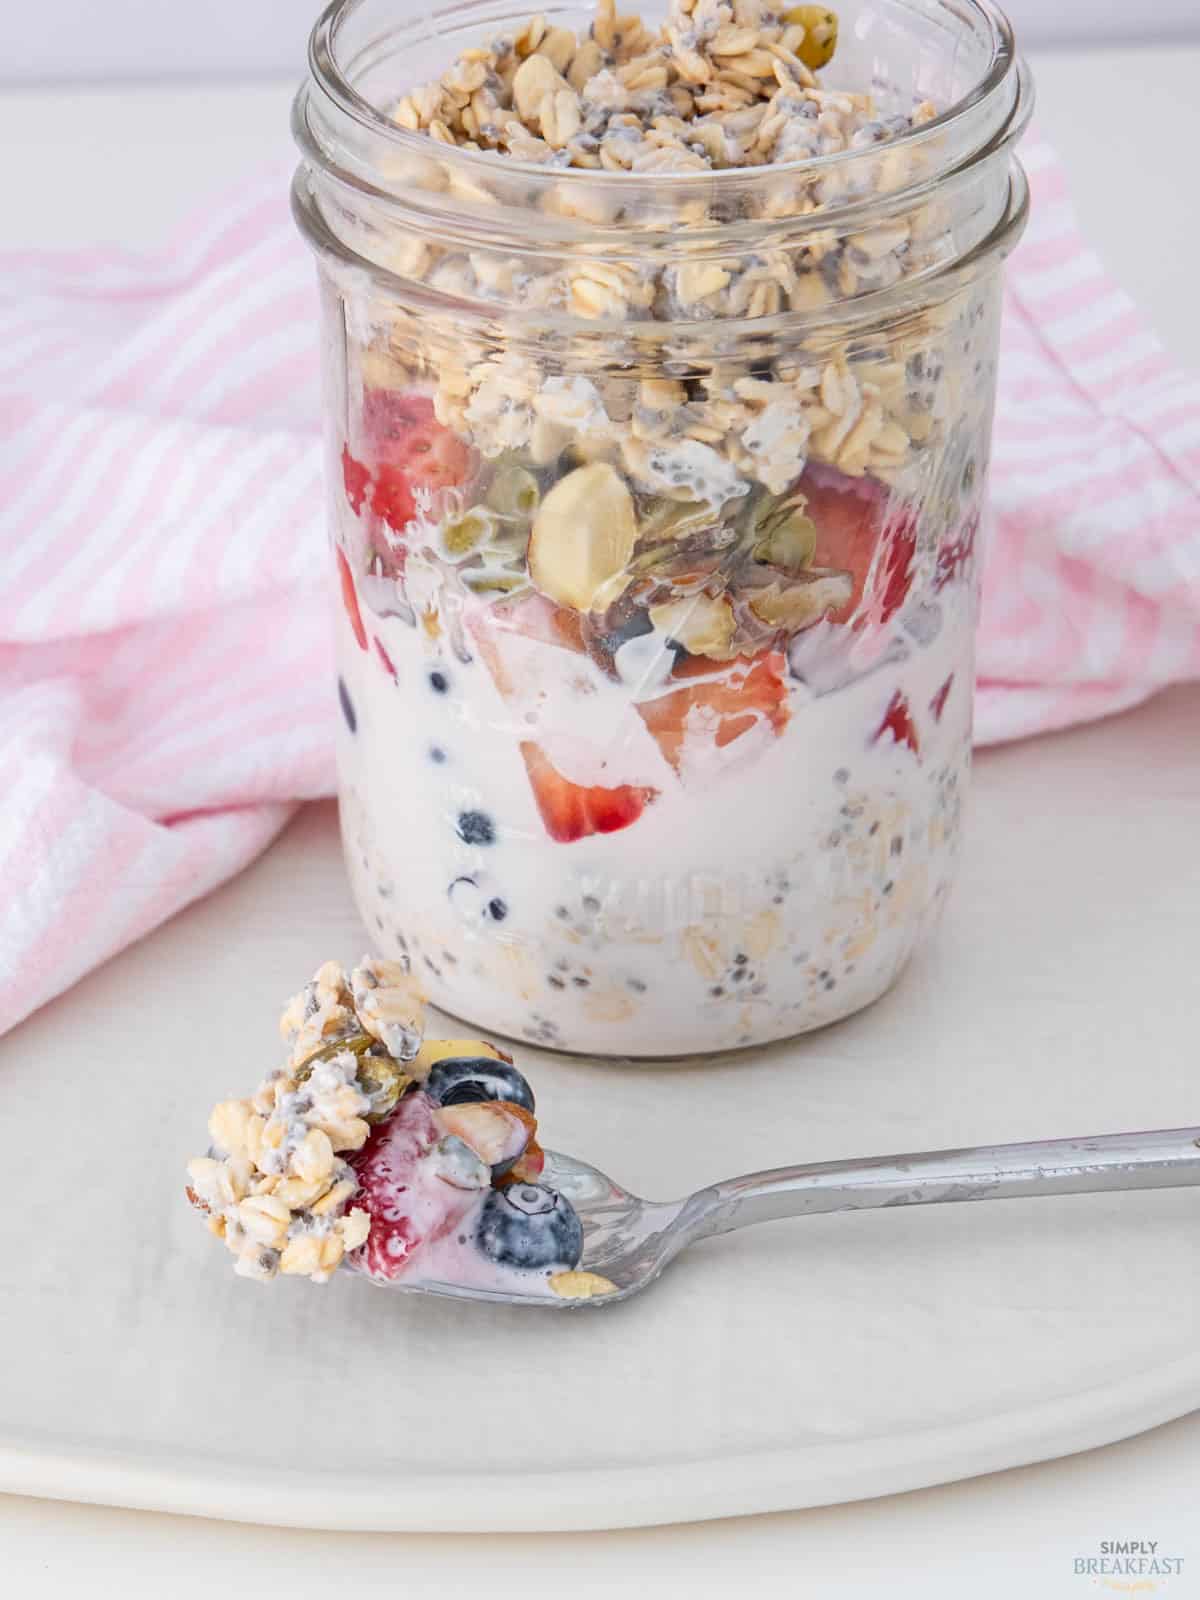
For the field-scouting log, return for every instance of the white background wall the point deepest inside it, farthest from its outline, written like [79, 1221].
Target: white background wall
[49, 40]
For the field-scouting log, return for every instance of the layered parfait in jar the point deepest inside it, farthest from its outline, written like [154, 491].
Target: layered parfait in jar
[656, 535]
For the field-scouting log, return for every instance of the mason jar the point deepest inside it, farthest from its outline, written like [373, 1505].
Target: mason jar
[655, 504]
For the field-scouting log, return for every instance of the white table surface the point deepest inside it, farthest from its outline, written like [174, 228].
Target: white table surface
[123, 165]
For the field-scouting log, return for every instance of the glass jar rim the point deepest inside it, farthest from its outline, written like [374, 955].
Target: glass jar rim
[332, 79]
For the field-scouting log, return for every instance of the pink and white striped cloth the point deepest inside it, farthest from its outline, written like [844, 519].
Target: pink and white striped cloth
[165, 664]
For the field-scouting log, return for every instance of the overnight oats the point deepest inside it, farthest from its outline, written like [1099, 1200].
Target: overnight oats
[660, 357]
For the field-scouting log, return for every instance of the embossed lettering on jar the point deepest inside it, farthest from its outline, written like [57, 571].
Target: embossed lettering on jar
[660, 358]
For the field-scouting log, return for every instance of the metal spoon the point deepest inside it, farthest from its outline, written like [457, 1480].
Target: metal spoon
[630, 1241]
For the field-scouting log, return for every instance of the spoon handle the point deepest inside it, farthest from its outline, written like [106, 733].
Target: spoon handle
[1163, 1160]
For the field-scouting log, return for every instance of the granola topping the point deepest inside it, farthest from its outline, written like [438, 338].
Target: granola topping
[276, 1184]
[418, 1163]
[722, 85]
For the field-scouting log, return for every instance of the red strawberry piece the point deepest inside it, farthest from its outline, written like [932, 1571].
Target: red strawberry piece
[956, 555]
[572, 811]
[389, 417]
[409, 1205]
[897, 720]
[938, 704]
[392, 498]
[858, 533]
[356, 478]
[533, 616]
[350, 598]
[718, 709]
[411, 452]
[385, 658]
[500, 629]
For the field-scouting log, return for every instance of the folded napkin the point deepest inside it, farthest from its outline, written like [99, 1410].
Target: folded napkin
[165, 662]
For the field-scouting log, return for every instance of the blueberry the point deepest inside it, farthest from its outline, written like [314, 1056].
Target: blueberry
[529, 1225]
[476, 827]
[459, 1080]
[347, 707]
[439, 682]
[497, 909]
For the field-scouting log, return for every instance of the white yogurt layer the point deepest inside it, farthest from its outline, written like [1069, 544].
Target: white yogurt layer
[770, 886]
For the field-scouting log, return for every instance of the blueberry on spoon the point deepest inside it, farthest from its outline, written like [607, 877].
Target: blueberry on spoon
[531, 1226]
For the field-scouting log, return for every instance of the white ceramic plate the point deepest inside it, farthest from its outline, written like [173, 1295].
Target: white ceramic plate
[798, 1364]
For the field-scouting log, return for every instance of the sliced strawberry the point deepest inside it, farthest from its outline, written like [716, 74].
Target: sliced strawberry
[356, 478]
[389, 419]
[572, 811]
[956, 555]
[350, 598]
[388, 666]
[858, 533]
[533, 616]
[392, 497]
[411, 451]
[938, 704]
[749, 693]
[407, 1202]
[501, 630]
[898, 721]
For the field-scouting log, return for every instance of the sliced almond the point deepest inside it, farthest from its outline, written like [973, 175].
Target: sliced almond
[496, 1130]
[583, 535]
